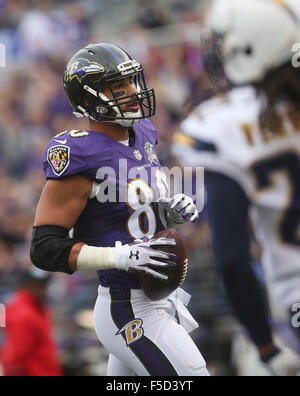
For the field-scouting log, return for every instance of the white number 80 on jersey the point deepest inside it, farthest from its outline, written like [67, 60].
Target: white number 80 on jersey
[140, 198]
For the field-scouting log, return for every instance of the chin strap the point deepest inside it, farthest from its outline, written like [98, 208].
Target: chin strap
[83, 113]
[126, 123]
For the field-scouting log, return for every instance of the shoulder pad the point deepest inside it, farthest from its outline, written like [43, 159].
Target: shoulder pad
[71, 153]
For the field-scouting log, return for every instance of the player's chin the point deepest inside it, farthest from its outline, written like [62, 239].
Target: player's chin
[133, 111]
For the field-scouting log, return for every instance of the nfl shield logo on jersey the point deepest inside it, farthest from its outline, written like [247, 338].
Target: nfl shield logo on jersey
[59, 159]
[138, 155]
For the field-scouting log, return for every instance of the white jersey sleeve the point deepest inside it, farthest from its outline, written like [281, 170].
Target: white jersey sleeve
[225, 135]
[212, 136]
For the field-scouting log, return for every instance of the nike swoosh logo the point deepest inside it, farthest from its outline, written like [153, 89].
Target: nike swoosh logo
[61, 141]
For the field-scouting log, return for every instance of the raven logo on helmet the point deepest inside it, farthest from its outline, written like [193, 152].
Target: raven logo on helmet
[81, 68]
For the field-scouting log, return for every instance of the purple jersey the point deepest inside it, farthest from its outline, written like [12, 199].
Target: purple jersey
[127, 183]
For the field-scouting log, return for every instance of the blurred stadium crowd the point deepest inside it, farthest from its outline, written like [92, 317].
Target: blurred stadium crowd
[40, 36]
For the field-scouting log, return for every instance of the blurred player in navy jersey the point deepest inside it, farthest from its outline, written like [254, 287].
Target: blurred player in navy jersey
[106, 184]
[249, 142]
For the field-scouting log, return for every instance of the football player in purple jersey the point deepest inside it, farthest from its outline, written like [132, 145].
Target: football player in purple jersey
[106, 184]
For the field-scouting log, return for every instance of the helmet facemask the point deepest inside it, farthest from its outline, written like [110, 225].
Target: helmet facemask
[213, 59]
[101, 108]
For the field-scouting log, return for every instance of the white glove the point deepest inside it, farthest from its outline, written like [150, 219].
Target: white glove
[138, 257]
[180, 209]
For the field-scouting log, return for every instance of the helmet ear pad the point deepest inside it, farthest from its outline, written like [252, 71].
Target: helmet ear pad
[98, 108]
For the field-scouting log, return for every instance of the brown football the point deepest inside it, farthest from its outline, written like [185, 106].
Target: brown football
[156, 289]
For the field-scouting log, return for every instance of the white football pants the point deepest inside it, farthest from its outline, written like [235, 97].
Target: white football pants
[144, 337]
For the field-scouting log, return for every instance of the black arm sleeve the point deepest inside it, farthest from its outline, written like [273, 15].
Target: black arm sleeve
[228, 210]
[51, 248]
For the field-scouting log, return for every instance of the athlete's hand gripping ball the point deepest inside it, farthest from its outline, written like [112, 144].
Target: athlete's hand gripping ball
[139, 256]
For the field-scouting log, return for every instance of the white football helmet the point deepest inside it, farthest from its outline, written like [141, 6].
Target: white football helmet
[258, 35]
